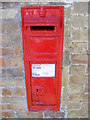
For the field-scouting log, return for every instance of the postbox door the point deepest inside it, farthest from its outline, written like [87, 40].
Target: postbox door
[43, 83]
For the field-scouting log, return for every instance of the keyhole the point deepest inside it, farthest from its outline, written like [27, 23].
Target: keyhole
[37, 90]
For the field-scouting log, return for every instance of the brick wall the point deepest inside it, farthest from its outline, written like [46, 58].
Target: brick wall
[74, 93]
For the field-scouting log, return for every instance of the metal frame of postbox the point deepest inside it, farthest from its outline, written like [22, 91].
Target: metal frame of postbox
[30, 18]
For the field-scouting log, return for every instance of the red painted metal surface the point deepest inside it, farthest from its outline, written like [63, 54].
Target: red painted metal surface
[42, 33]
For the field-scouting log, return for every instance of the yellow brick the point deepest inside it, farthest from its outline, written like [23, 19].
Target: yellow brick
[7, 106]
[79, 21]
[0, 107]
[80, 7]
[74, 97]
[88, 69]
[1, 83]
[0, 51]
[6, 92]
[79, 59]
[77, 70]
[87, 88]
[15, 99]
[78, 47]
[84, 106]
[8, 114]
[73, 105]
[29, 114]
[7, 39]
[0, 115]
[0, 99]
[14, 62]
[10, 5]
[77, 97]
[2, 62]
[11, 27]
[20, 107]
[78, 114]
[8, 13]
[80, 34]
[13, 82]
[11, 51]
[13, 92]
[78, 80]
[53, 114]
[12, 73]
[76, 89]
[17, 106]
[19, 91]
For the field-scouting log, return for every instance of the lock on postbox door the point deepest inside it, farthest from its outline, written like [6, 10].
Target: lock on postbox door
[42, 33]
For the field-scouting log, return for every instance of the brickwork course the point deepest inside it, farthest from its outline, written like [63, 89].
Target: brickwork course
[74, 89]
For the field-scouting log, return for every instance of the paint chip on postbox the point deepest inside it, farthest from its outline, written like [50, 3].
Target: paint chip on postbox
[43, 70]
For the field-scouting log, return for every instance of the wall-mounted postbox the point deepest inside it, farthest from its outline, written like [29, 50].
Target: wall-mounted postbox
[42, 33]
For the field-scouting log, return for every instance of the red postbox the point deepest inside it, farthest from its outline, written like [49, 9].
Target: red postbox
[42, 33]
